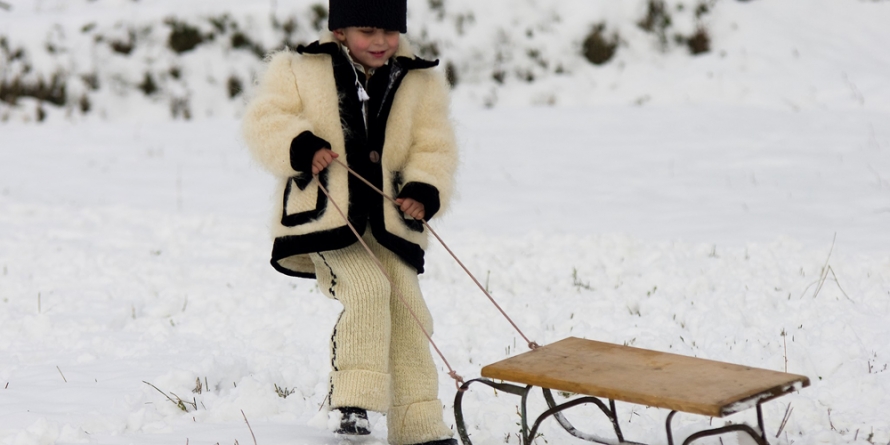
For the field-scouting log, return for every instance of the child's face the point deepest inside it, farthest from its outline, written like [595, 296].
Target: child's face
[371, 47]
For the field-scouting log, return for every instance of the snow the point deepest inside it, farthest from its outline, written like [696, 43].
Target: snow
[134, 248]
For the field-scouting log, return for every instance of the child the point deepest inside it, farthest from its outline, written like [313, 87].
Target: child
[360, 97]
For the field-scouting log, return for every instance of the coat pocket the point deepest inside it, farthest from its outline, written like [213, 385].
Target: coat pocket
[302, 205]
[408, 221]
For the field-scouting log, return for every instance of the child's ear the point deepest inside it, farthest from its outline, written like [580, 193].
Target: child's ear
[340, 35]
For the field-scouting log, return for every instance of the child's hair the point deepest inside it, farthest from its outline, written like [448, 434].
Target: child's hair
[384, 14]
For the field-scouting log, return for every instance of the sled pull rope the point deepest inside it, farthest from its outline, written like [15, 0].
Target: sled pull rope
[531, 344]
[458, 380]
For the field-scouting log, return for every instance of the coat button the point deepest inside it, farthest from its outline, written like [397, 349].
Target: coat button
[375, 157]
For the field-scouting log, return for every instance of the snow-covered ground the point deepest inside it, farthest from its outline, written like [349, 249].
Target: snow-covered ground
[134, 250]
[137, 253]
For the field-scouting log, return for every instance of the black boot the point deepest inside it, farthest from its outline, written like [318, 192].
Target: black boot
[441, 442]
[353, 421]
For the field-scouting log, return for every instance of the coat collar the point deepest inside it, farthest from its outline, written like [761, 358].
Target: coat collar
[327, 44]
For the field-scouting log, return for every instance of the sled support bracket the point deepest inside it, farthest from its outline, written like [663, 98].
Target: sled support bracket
[603, 373]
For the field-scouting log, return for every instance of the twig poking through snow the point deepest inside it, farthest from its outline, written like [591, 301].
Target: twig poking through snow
[785, 345]
[824, 274]
[785, 418]
[248, 427]
[179, 403]
[838, 283]
[63, 375]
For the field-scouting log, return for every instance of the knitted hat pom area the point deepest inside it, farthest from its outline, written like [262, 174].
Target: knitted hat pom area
[390, 15]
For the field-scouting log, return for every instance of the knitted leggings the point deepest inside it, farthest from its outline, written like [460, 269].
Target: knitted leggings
[381, 359]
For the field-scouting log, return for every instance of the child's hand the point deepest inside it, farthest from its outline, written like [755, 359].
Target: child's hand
[411, 208]
[322, 159]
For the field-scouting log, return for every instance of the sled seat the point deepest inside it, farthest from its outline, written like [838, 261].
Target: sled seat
[622, 373]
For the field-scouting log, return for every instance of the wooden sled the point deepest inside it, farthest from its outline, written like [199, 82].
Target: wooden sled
[658, 379]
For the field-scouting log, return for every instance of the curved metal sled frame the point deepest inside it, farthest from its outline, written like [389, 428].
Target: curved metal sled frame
[759, 438]
[554, 410]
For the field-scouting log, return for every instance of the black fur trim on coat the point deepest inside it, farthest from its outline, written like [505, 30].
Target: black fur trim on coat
[424, 194]
[302, 150]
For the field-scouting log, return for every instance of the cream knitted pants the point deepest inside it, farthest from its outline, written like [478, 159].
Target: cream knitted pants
[381, 358]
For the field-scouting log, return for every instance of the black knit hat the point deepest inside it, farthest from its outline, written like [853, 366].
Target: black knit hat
[385, 14]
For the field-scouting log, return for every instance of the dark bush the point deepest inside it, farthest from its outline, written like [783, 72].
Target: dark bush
[462, 21]
[85, 104]
[91, 80]
[221, 23]
[241, 41]
[234, 86]
[597, 48]
[428, 50]
[10, 91]
[451, 74]
[699, 42]
[319, 16]
[148, 85]
[183, 37]
[701, 9]
[9, 53]
[53, 92]
[526, 75]
[439, 7]
[124, 47]
[656, 21]
[180, 107]
[290, 26]
[657, 16]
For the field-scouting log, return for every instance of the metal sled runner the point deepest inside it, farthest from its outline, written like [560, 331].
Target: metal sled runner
[621, 373]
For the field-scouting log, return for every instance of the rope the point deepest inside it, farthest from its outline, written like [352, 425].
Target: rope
[532, 345]
[458, 380]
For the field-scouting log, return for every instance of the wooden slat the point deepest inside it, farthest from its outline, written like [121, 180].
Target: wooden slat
[645, 377]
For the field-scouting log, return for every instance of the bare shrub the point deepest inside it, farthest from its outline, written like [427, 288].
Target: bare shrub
[656, 21]
[319, 16]
[451, 73]
[84, 104]
[124, 47]
[52, 91]
[699, 42]
[242, 41]
[91, 80]
[183, 37]
[148, 85]
[597, 48]
[234, 86]
[179, 107]
[222, 23]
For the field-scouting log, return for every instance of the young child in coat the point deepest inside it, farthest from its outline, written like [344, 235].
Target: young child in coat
[359, 96]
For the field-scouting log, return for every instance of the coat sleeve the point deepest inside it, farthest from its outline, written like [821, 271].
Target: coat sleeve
[278, 137]
[432, 162]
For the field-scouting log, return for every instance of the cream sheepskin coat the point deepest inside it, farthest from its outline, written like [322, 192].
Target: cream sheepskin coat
[307, 100]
